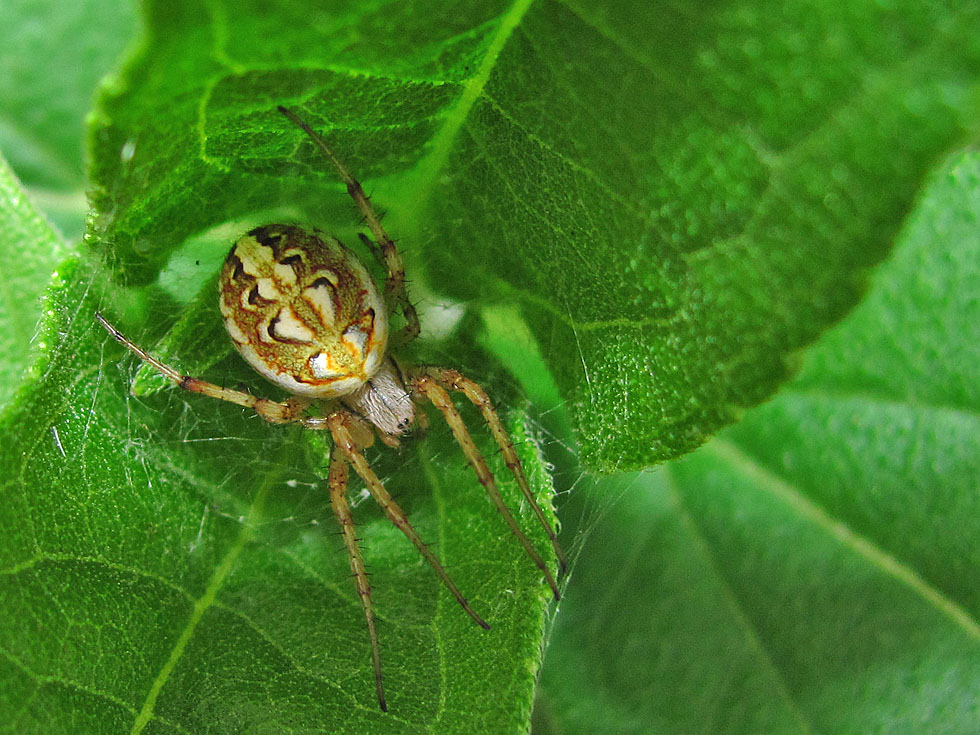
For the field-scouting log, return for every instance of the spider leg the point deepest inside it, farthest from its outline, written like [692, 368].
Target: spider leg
[395, 283]
[343, 439]
[370, 245]
[337, 480]
[454, 380]
[412, 327]
[427, 386]
[288, 412]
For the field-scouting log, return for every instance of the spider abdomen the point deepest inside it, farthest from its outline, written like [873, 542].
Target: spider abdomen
[303, 311]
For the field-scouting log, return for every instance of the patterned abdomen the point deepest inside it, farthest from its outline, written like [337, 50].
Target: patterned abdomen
[303, 310]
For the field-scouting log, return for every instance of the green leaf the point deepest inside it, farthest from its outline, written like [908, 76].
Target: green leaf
[814, 569]
[173, 566]
[677, 199]
[54, 54]
[668, 201]
[30, 243]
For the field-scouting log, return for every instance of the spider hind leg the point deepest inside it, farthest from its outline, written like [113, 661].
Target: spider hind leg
[430, 385]
[337, 481]
[341, 427]
[455, 380]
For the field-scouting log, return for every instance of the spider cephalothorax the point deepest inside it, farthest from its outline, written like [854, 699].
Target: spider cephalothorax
[303, 311]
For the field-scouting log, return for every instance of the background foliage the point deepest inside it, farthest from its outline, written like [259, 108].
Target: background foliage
[810, 570]
[642, 212]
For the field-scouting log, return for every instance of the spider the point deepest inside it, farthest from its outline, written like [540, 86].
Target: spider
[303, 311]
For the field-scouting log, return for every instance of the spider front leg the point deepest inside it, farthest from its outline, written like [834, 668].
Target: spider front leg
[395, 283]
[287, 412]
[427, 385]
[412, 327]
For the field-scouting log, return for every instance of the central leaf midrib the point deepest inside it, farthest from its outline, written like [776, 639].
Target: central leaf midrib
[418, 184]
[204, 603]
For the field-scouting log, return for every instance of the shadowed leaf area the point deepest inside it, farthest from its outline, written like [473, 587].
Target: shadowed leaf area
[663, 204]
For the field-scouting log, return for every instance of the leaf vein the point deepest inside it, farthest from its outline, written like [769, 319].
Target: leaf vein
[260, 631]
[868, 398]
[572, 164]
[426, 173]
[202, 605]
[741, 618]
[878, 557]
